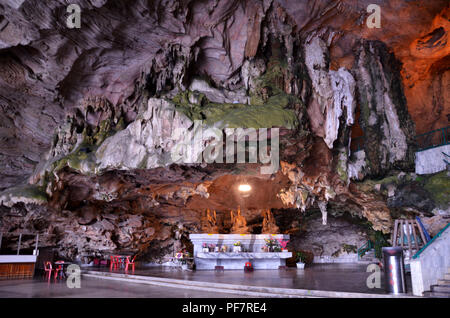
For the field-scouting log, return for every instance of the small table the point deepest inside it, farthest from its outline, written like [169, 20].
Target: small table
[64, 265]
[121, 259]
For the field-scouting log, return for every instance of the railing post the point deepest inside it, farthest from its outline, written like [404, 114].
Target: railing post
[18, 245]
[36, 248]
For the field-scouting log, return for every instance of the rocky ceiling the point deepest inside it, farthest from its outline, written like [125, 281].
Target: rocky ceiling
[87, 115]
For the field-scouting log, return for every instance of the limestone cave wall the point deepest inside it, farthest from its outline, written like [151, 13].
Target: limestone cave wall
[94, 121]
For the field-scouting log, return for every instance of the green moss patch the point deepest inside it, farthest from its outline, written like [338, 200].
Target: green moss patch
[28, 193]
[439, 187]
[273, 113]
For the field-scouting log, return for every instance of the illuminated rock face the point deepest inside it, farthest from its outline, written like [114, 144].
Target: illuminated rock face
[88, 115]
[388, 130]
[333, 92]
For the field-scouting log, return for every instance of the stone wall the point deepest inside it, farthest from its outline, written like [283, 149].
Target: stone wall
[337, 241]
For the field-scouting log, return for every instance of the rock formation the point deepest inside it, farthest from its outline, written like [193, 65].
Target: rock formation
[114, 136]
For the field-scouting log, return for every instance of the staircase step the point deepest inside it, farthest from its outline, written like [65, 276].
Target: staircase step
[443, 282]
[436, 294]
[440, 288]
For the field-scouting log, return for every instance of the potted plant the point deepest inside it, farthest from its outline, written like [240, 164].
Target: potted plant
[211, 247]
[185, 260]
[300, 259]
[283, 244]
[237, 247]
[205, 248]
[223, 248]
[271, 243]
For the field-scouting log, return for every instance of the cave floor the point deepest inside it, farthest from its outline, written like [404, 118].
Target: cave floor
[327, 277]
[96, 288]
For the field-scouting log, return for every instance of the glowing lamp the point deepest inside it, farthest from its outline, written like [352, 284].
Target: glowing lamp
[244, 187]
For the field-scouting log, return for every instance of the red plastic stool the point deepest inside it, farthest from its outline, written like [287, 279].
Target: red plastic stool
[248, 267]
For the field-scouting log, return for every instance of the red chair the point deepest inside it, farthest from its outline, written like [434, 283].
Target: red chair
[58, 268]
[128, 262]
[113, 262]
[48, 269]
[119, 261]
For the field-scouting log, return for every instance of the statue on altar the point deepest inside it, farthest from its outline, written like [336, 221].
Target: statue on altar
[269, 225]
[239, 224]
[209, 223]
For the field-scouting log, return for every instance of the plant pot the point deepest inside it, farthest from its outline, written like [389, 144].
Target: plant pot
[216, 249]
[300, 265]
[184, 266]
[284, 250]
[205, 250]
[236, 249]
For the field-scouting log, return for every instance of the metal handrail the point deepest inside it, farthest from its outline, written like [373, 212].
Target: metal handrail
[442, 140]
[363, 249]
[446, 162]
[431, 241]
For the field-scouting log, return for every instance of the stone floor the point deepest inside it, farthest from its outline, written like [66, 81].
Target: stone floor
[348, 277]
[328, 277]
[96, 288]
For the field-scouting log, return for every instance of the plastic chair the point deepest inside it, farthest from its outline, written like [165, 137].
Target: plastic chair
[58, 268]
[48, 269]
[128, 262]
[113, 262]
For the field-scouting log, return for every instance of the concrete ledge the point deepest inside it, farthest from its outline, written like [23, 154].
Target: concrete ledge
[254, 291]
[432, 160]
[10, 259]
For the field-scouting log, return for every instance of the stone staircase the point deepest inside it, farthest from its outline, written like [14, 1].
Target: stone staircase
[368, 257]
[442, 289]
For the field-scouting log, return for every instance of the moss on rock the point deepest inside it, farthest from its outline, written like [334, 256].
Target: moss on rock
[273, 113]
[439, 187]
[28, 193]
